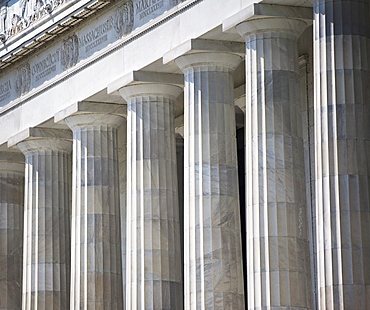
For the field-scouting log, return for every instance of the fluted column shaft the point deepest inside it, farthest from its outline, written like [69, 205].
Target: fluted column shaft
[96, 270]
[212, 233]
[342, 135]
[11, 231]
[278, 268]
[46, 249]
[153, 230]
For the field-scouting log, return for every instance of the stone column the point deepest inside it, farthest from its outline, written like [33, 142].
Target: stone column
[11, 229]
[278, 267]
[212, 234]
[46, 249]
[153, 233]
[96, 270]
[342, 136]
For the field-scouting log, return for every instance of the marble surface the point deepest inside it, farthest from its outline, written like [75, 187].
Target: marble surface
[88, 79]
[68, 50]
[212, 242]
[180, 186]
[96, 259]
[11, 230]
[153, 272]
[269, 9]
[278, 265]
[307, 110]
[122, 165]
[47, 243]
[342, 132]
[336, 149]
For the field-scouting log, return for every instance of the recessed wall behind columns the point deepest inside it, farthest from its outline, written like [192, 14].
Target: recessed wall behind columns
[122, 165]
[93, 74]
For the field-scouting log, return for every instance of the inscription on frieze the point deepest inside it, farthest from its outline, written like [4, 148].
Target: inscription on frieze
[66, 52]
[69, 51]
[96, 36]
[46, 66]
[146, 10]
[147, 7]
[23, 79]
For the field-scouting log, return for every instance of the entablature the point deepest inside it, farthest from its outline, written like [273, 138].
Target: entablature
[80, 64]
[24, 74]
[26, 25]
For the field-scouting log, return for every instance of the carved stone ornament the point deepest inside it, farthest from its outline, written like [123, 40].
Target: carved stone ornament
[124, 18]
[24, 13]
[23, 79]
[69, 51]
[3, 14]
[176, 2]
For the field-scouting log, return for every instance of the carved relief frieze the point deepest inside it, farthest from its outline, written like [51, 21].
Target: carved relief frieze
[124, 18]
[3, 14]
[23, 79]
[24, 13]
[69, 51]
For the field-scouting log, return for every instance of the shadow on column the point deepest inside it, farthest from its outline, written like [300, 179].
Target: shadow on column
[241, 175]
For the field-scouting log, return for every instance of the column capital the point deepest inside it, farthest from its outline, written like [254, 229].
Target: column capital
[42, 139]
[94, 119]
[204, 46]
[271, 24]
[144, 77]
[82, 114]
[150, 89]
[267, 10]
[222, 61]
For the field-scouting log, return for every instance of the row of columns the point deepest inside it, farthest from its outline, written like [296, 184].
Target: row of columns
[83, 268]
